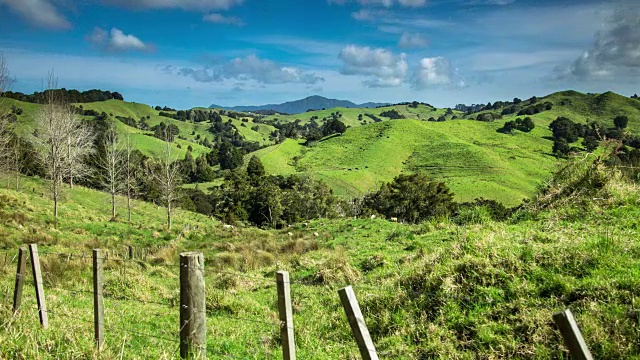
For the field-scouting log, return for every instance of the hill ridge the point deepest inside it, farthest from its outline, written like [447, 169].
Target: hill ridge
[313, 102]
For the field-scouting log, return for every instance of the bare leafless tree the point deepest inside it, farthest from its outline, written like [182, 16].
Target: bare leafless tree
[60, 138]
[79, 146]
[111, 165]
[166, 173]
[129, 173]
[5, 127]
[16, 149]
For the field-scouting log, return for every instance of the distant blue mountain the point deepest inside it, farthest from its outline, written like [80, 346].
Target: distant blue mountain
[299, 106]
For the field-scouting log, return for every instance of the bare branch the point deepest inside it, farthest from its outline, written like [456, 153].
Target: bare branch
[166, 173]
[62, 141]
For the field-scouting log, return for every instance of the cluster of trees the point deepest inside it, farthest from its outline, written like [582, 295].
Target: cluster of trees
[68, 96]
[508, 107]
[312, 131]
[411, 104]
[534, 109]
[166, 108]
[197, 115]
[488, 117]
[565, 132]
[267, 201]
[163, 131]
[392, 114]
[524, 125]
[411, 198]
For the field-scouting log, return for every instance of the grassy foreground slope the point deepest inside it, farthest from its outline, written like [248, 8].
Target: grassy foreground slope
[434, 290]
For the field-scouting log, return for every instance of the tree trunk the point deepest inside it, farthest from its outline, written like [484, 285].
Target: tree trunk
[55, 200]
[113, 206]
[169, 215]
[129, 205]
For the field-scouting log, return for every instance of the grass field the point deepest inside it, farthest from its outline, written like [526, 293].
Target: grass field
[441, 289]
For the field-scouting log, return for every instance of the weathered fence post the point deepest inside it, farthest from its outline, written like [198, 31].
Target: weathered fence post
[17, 291]
[286, 316]
[130, 252]
[356, 321]
[98, 301]
[572, 336]
[193, 342]
[37, 278]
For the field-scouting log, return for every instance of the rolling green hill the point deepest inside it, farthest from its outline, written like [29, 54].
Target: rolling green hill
[191, 134]
[472, 157]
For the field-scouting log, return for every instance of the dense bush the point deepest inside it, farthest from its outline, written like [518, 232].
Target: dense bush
[392, 114]
[412, 198]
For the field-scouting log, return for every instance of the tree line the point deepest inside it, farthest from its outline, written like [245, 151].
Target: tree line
[68, 96]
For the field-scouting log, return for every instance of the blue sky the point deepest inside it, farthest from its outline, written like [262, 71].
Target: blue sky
[186, 53]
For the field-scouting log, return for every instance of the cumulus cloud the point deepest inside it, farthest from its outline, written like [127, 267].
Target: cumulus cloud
[40, 13]
[433, 71]
[116, 41]
[615, 51]
[383, 68]
[221, 19]
[201, 5]
[412, 40]
[385, 3]
[248, 68]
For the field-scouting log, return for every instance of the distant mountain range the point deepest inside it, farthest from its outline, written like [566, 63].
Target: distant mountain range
[300, 106]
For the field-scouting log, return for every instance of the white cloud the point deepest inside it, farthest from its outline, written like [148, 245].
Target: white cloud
[615, 51]
[248, 68]
[116, 41]
[391, 22]
[221, 19]
[201, 5]
[412, 40]
[432, 71]
[383, 68]
[40, 13]
[385, 3]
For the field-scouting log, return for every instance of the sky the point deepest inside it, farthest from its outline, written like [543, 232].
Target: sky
[188, 53]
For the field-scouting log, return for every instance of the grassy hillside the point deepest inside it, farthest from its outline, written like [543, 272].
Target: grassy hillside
[350, 115]
[191, 134]
[477, 289]
[472, 157]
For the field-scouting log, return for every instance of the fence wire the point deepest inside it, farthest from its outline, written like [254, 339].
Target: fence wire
[295, 284]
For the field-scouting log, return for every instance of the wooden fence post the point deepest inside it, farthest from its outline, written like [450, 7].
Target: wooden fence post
[286, 316]
[193, 329]
[17, 291]
[37, 278]
[572, 336]
[130, 252]
[356, 321]
[98, 301]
